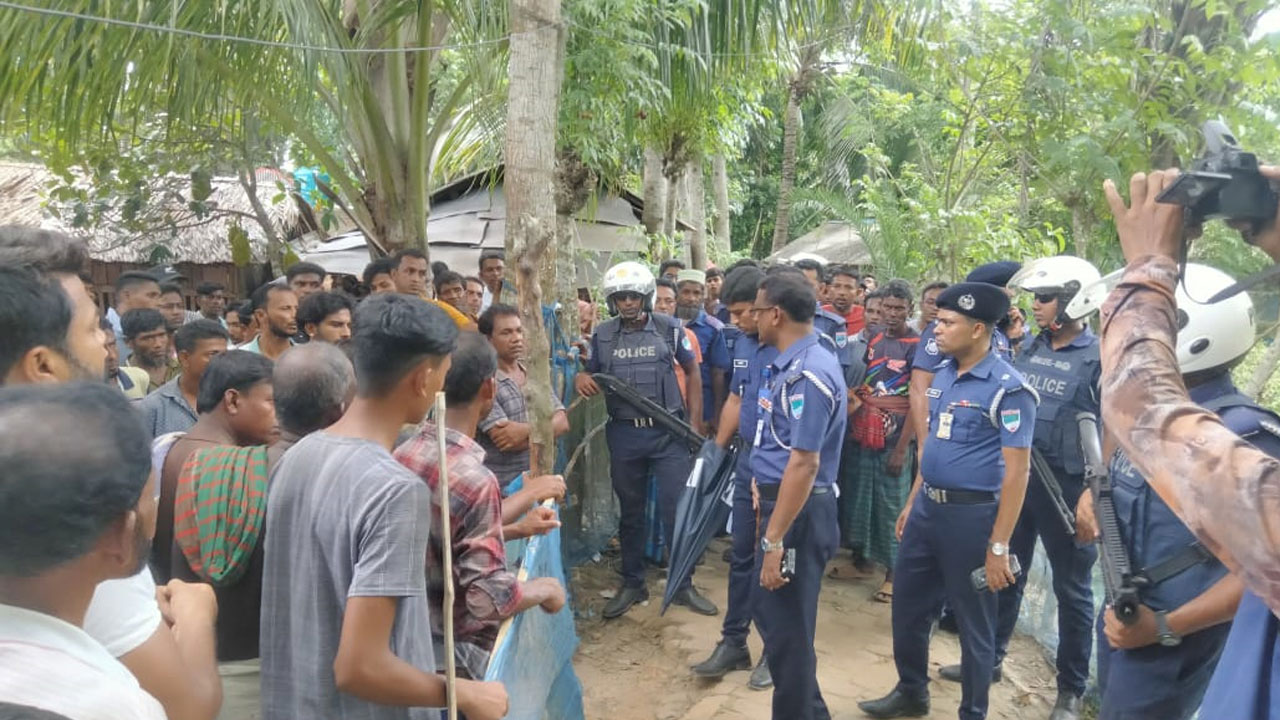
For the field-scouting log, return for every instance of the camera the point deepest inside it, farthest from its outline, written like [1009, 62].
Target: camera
[1223, 183]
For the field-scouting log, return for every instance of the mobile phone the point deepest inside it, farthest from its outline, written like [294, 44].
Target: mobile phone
[978, 578]
[789, 563]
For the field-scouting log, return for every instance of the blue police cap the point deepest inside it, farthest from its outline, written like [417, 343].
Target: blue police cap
[996, 273]
[981, 301]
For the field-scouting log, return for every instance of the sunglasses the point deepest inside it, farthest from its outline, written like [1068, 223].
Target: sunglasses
[1045, 298]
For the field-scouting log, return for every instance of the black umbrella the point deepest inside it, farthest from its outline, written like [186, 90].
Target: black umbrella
[703, 509]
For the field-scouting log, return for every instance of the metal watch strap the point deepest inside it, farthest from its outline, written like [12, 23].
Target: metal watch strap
[769, 547]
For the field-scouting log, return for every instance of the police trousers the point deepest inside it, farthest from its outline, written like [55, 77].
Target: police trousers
[635, 453]
[947, 541]
[1157, 681]
[1072, 567]
[737, 616]
[787, 618]
[1247, 681]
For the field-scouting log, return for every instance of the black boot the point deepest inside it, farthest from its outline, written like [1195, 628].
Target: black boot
[761, 679]
[895, 705]
[1067, 707]
[953, 673]
[691, 599]
[622, 602]
[724, 659]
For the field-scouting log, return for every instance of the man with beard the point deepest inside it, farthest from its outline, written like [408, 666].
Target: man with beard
[326, 316]
[640, 348]
[716, 364]
[52, 336]
[171, 408]
[72, 515]
[275, 307]
[147, 337]
[213, 492]
[131, 381]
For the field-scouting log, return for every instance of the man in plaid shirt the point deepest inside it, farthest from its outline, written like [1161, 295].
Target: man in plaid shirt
[486, 592]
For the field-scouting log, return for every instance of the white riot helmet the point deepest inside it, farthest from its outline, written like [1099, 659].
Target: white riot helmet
[1074, 280]
[629, 276]
[1211, 336]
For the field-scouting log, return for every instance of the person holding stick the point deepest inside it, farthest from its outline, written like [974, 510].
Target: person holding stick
[346, 620]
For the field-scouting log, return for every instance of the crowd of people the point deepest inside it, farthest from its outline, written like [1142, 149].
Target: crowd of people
[260, 479]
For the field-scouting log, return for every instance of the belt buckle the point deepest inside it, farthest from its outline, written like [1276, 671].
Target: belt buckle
[938, 495]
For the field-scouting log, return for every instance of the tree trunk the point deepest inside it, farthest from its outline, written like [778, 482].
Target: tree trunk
[574, 184]
[1080, 230]
[653, 215]
[672, 209]
[532, 105]
[720, 187]
[697, 216]
[1266, 368]
[790, 132]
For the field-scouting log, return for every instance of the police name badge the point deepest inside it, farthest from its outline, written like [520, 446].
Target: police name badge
[944, 425]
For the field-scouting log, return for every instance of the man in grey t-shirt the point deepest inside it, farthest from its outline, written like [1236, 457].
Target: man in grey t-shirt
[345, 626]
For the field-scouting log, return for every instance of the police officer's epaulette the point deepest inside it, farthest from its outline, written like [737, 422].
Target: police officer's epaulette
[1243, 416]
[1010, 382]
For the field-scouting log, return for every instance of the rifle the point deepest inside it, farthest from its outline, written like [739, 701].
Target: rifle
[1117, 573]
[1040, 468]
[661, 416]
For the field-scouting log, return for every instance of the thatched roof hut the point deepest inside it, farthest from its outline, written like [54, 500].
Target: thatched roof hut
[182, 236]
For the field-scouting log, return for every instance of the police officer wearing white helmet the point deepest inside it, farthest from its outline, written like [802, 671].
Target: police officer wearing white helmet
[1062, 365]
[642, 348]
[1160, 665]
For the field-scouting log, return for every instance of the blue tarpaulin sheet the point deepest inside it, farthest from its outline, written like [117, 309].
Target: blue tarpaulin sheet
[534, 659]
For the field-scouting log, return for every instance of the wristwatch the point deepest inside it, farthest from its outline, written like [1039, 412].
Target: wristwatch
[1164, 633]
[769, 547]
[999, 549]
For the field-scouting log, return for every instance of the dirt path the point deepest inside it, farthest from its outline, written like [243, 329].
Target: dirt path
[636, 667]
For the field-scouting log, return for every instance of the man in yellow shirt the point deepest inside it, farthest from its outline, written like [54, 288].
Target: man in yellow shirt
[409, 273]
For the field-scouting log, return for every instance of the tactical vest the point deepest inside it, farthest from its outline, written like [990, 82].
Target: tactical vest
[643, 359]
[1062, 378]
[1156, 538]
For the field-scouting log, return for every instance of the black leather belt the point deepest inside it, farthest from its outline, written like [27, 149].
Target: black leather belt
[635, 422]
[770, 492]
[958, 497]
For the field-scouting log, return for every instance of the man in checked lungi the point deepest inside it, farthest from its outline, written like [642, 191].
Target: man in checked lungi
[878, 476]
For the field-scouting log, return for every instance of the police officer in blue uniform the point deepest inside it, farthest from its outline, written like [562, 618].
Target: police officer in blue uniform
[1063, 366]
[929, 358]
[832, 329]
[738, 293]
[799, 427]
[962, 511]
[642, 349]
[1160, 666]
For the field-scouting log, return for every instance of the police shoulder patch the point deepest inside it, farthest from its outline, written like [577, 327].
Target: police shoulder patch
[684, 342]
[842, 338]
[931, 347]
[1011, 419]
[796, 403]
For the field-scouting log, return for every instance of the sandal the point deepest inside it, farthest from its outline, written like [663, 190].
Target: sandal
[884, 594]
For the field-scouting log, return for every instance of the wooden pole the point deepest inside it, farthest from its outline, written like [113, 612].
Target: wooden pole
[446, 534]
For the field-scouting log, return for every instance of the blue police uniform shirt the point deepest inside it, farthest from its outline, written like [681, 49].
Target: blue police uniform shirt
[749, 360]
[715, 354]
[802, 406]
[971, 458]
[1151, 531]
[1066, 380]
[930, 358]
